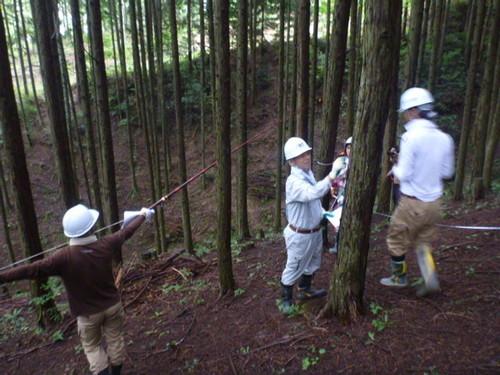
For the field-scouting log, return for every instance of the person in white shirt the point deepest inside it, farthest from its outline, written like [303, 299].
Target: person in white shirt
[303, 238]
[339, 170]
[426, 158]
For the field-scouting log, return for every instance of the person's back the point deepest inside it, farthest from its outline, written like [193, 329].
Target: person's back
[426, 159]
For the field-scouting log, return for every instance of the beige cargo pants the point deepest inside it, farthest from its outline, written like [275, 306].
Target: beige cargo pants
[92, 328]
[412, 224]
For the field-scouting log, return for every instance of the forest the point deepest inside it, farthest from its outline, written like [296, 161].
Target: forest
[185, 107]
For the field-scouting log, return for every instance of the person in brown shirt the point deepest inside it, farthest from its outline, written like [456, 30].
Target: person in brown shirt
[85, 267]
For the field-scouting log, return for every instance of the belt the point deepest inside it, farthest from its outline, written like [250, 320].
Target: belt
[409, 197]
[303, 230]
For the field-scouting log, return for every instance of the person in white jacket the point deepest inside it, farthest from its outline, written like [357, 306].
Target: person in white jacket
[303, 238]
[426, 158]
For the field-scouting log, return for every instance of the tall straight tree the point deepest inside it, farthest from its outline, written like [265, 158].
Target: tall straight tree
[81, 73]
[312, 77]
[469, 100]
[345, 299]
[202, 90]
[417, 10]
[333, 85]
[352, 82]
[485, 104]
[14, 147]
[44, 13]
[384, 193]
[303, 16]
[423, 40]
[242, 206]
[493, 127]
[253, 49]
[30, 64]
[223, 129]
[189, 37]
[108, 168]
[186, 219]
[281, 107]
[436, 41]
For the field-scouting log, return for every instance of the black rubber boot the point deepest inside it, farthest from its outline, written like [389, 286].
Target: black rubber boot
[116, 370]
[104, 372]
[306, 291]
[286, 298]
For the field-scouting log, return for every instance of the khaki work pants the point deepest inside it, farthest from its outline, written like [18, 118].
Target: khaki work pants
[91, 330]
[412, 224]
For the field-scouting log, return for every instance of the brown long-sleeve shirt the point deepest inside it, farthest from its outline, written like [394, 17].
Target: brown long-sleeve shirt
[86, 271]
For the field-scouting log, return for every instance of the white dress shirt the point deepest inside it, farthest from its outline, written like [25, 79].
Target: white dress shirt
[425, 159]
[303, 198]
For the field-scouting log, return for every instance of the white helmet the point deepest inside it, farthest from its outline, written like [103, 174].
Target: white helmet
[348, 141]
[78, 220]
[294, 147]
[414, 97]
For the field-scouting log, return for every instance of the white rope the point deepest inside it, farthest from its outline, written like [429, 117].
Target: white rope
[52, 249]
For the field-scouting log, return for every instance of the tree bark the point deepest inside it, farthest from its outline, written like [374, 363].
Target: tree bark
[312, 77]
[347, 284]
[281, 124]
[351, 84]
[109, 191]
[81, 73]
[16, 157]
[44, 12]
[242, 206]
[485, 104]
[178, 93]
[223, 128]
[333, 86]
[468, 103]
[423, 40]
[202, 91]
[436, 40]
[413, 47]
[391, 127]
[303, 16]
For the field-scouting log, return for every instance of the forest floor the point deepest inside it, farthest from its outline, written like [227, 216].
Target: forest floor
[176, 324]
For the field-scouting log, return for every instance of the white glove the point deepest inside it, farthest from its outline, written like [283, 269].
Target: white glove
[147, 213]
[332, 175]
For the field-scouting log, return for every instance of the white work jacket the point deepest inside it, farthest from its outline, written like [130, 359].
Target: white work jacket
[303, 198]
[425, 159]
